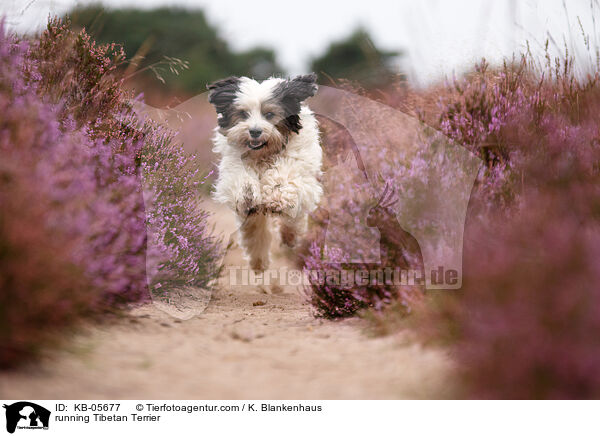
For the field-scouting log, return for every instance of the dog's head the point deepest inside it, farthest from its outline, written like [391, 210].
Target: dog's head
[260, 117]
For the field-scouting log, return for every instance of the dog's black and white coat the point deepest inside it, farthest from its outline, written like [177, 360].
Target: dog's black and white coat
[268, 140]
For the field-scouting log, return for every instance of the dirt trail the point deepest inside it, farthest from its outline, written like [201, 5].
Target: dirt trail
[234, 350]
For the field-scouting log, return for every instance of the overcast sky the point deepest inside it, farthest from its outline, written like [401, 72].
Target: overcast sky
[439, 37]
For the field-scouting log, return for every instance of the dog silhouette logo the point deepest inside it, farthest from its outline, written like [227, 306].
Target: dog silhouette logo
[26, 415]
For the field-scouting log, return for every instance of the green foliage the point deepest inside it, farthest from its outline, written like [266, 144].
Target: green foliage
[156, 37]
[356, 58]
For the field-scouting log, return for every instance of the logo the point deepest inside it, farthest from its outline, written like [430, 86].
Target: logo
[26, 415]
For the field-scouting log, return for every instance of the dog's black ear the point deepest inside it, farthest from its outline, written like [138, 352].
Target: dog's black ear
[223, 83]
[297, 90]
[304, 86]
[221, 95]
[291, 93]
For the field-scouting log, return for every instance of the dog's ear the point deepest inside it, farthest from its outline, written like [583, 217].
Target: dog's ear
[221, 95]
[291, 93]
[295, 91]
[302, 87]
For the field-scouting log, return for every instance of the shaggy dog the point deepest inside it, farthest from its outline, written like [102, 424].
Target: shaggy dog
[268, 140]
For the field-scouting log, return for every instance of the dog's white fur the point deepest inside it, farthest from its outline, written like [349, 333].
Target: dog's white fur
[281, 179]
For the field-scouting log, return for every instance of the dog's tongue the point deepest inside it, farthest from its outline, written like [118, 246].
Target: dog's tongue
[255, 143]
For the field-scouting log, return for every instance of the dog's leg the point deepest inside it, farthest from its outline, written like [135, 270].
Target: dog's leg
[237, 187]
[247, 201]
[292, 229]
[256, 240]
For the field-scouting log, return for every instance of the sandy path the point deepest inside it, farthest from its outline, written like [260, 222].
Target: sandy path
[234, 350]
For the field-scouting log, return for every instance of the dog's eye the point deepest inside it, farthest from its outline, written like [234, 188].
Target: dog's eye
[243, 115]
[269, 115]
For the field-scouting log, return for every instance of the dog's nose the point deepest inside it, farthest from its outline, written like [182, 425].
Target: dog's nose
[255, 133]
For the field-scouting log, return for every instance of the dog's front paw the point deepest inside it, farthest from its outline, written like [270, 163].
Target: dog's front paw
[280, 199]
[248, 202]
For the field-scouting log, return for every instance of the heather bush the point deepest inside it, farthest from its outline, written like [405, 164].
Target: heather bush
[523, 325]
[528, 313]
[358, 229]
[73, 222]
[73, 232]
[40, 286]
[71, 68]
[178, 230]
[403, 207]
[81, 74]
[69, 71]
[333, 298]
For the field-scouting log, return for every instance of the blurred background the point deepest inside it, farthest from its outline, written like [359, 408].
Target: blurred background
[373, 43]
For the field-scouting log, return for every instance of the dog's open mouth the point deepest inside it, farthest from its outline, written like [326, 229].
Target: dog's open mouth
[256, 145]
